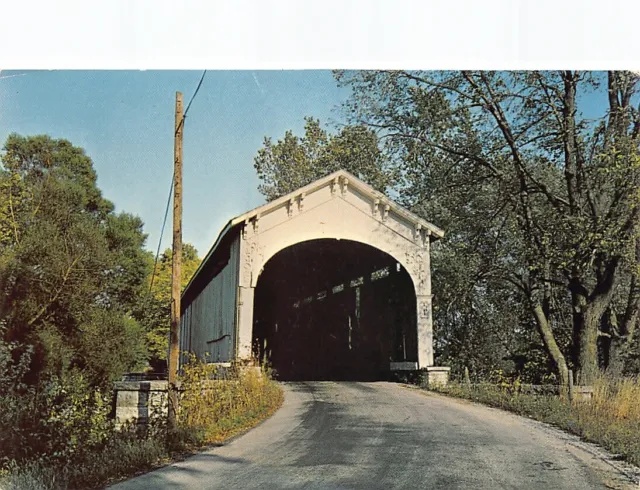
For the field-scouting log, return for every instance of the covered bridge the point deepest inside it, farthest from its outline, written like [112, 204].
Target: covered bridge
[331, 281]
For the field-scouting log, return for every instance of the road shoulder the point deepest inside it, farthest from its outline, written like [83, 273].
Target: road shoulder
[615, 473]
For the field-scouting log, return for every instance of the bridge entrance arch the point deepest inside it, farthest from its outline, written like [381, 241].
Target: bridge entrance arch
[334, 309]
[290, 252]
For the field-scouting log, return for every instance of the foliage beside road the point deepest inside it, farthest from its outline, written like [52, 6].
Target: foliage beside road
[611, 419]
[210, 413]
[72, 271]
[77, 309]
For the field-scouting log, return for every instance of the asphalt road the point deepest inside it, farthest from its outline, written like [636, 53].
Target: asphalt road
[381, 435]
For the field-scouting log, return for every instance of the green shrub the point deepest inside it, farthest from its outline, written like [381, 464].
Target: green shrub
[76, 446]
[77, 419]
[17, 418]
[31, 476]
[53, 418]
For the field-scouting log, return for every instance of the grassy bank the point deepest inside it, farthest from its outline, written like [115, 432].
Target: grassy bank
[611, 419]
[210, 413]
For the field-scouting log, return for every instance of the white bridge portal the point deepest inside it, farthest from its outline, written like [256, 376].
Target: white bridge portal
[328, 280]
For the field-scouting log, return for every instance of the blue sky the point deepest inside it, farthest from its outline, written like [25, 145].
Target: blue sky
[124, 120]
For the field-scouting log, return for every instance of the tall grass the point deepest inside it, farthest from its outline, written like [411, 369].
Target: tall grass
[217, 404]
[617, 398]
[611, 418]
[214, 406]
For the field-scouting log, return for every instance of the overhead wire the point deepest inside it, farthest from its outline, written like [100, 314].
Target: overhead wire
[184, 116]
[173, 176]
[195, 93]
[164, 222]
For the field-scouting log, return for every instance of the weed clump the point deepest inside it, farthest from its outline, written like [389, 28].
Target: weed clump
[217, 402]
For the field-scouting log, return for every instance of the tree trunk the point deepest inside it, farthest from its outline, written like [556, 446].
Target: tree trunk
[588, 309]
[587, 336]
[578, 306]
[549, 341]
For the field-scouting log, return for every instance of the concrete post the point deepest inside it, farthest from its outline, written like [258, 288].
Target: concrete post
[138, 401]
[437, 376]
[250, 259]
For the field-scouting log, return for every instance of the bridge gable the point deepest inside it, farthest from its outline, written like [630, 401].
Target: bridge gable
[323, 211]
[340, 207]
[343, 185]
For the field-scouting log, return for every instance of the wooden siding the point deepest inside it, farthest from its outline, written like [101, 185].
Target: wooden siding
[208, 322]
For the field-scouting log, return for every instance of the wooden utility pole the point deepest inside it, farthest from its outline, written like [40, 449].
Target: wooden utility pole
[174, 335]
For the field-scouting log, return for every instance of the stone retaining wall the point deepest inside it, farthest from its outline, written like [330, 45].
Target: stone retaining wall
[139, 398]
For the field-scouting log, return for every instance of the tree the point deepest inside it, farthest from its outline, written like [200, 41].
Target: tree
[154, 308]
[70, 268]
[564, 186]
[294, 161]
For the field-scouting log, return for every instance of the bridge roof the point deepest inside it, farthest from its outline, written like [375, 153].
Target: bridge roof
[233, 225]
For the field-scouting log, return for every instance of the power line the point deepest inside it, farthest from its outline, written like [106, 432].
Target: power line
[164, 222]
[166, 212]
[184, 116]
[195, 93]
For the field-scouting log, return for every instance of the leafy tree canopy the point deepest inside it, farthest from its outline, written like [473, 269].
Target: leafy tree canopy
[70, 268]
[293, 161]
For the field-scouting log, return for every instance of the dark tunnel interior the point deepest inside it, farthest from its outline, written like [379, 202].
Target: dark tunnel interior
[334, 310]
